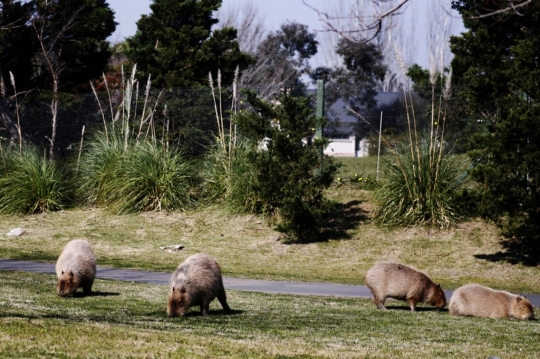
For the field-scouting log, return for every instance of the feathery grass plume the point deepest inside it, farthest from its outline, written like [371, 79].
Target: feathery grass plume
[99, 105]
[12, 79]
[226, 157]
[32, 183]
[421, 176]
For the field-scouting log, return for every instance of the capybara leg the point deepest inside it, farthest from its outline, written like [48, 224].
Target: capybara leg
[222, 297]
[379, 302]
[204, 308]
[412, 304]
[87, 290]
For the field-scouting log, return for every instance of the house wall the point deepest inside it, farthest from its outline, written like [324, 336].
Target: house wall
[347, 147]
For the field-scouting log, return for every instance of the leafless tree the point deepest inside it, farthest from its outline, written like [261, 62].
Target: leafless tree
[377, 17]
[49, 56]
[249, 20]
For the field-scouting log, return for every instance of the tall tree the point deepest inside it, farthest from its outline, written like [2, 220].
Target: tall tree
[74, 32]
[53, 46]
[175, 44]
[249, 21]
[497, 58]
[282, 58]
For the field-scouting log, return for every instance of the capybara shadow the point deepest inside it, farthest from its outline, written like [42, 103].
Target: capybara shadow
[94, 294]
[213, 312]
[418, 309]
[196, 282]
[102, 294]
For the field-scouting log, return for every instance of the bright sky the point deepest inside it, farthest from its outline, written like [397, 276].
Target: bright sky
[277, 12]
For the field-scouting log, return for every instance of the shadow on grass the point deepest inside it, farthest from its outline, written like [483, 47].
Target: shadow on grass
[94, 294]
[342, 218]
[520, 247]
[418, 309]
[212, 312]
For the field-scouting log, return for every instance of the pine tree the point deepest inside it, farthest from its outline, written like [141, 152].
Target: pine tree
[176, 45]
[497, 59]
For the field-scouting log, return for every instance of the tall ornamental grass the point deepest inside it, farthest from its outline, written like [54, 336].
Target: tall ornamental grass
[30, 183]
[228, 173]
[418, 190]
[422, 176]
[126, 168]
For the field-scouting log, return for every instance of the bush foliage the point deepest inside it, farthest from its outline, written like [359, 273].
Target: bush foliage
[290, 170]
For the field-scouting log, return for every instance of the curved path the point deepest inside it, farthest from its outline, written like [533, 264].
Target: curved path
[252, 285]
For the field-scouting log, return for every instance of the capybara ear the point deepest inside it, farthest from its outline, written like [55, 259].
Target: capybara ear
[182, 290]
[519, 299]
[71, 274]
[173, 289]
[438, 285]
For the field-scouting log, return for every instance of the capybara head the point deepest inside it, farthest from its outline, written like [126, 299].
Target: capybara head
[521, 308]
[67, 284]
[178, 303]
[436, 297]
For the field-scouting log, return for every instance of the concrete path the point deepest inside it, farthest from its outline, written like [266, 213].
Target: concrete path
[252, 285]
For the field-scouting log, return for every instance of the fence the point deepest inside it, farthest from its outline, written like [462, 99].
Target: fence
[186, 118]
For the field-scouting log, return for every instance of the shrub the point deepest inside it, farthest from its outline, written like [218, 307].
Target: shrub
[418, 189]
[147, 176]
[30, 183]
[289, 173]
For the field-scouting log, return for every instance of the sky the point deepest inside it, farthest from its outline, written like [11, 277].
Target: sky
[277, 12]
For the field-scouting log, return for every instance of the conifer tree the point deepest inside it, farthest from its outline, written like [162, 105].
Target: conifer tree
[176, 45]
[497, 59]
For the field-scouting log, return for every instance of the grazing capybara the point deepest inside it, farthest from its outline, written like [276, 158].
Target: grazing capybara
[476, 300]
[196, 281]
[76, 268]
[394, 280]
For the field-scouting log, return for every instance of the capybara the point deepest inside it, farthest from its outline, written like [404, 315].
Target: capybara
[196, 281]
[76, 268]
[476, 300]
[394, 280]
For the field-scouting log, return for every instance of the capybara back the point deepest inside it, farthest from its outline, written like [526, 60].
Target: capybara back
[398, 281]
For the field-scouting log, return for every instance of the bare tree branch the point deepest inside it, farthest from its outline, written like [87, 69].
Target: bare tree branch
[369, 24]
[248, 20]
[511, 8]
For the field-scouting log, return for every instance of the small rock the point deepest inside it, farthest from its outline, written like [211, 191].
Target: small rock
[173, 248]
[16, 232]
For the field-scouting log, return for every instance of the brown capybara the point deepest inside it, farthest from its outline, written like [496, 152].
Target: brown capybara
[475, 300]
[196, 281]
[76, 268]
[394, 280]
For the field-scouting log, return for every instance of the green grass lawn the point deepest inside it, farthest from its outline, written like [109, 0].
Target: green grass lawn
[124, 320]
[129, 320]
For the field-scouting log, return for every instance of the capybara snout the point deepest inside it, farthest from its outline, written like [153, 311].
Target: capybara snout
[176, 302]
[397, 281]
[65, 285]
[196, 281]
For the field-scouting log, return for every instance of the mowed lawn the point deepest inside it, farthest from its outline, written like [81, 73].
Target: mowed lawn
[128, 320]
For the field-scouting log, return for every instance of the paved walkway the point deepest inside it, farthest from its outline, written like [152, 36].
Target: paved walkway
[252, 285]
